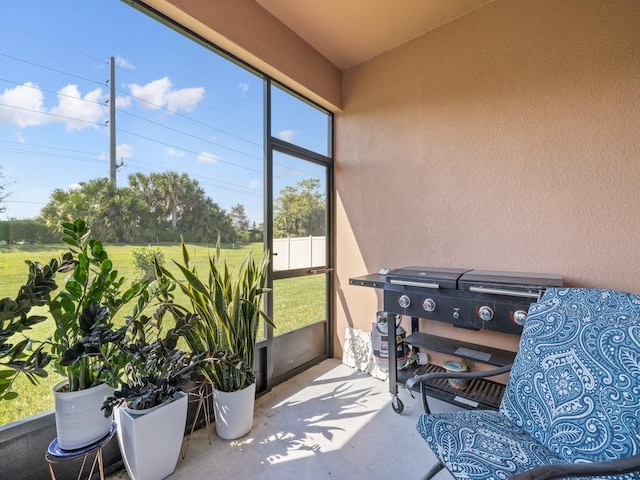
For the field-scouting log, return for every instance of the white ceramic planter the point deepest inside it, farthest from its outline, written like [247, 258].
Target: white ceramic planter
[79, 418]
[150, 442]
[233, 412]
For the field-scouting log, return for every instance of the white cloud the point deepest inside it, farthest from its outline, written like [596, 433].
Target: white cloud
[206, 157]
[172, 152]
[255, 185]
[123, 102]
[27, 109]
[20, 138]
[124, 64]
[23, 106]
[123, 151]
[161, 94]
[185, 99]
[244, 89]
[78, 112]
[287, 135]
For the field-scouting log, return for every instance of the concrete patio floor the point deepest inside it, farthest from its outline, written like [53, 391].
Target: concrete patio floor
[330, 421]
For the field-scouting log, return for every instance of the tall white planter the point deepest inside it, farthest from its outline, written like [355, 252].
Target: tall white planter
[150, 442]
[79, 418]
[234, 412]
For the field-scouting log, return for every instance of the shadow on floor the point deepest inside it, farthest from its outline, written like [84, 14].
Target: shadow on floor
[328, 422]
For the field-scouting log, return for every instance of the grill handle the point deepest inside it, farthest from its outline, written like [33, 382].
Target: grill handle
[407, 283]
[499, 291]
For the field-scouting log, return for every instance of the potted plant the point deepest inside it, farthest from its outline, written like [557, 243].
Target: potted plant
[149, 407]
[229, 308]
[15, 318]
[84, 345]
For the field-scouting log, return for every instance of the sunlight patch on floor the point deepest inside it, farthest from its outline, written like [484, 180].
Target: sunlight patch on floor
[336, 409]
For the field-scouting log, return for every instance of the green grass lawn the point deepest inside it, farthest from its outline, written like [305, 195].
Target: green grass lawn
[297, 302]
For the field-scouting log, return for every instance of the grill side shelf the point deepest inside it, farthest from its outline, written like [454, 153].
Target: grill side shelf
[471, 351]
[374, 280]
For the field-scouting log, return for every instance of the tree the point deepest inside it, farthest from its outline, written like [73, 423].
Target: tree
[179, 206]
[240, 223]
[300, 210]
[205, 221]
[155, 207]
[3, 191]
[173, 194]
[113, 213]
[239, 218]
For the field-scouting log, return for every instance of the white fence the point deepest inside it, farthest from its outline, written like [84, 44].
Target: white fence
[299, 252]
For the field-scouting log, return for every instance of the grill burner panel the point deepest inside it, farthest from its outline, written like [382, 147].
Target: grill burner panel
[473, 299]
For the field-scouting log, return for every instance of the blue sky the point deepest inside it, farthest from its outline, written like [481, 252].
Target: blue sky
[179, 107]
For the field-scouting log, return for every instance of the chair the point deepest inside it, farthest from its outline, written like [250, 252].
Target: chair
[571, 407]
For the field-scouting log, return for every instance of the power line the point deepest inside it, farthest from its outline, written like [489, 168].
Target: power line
[195, 153]
[51, 69]
[51, 91]
[144, 119]
[207, 180]
[178, 114]
[40, 112]
[49, 41]
[193, 136]
[50, 147]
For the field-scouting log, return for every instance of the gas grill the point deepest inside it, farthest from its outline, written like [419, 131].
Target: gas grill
[473, 299]
[466, 298]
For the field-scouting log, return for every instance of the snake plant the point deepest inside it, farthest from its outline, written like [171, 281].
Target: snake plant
[229, 308]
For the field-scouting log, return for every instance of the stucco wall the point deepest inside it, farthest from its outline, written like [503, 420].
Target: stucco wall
[505, 140]
[246, 30]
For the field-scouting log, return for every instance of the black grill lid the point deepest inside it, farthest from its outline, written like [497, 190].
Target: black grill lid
[430, 277]
[520, 281]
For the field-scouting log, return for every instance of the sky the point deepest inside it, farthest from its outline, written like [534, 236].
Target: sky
[179, 107]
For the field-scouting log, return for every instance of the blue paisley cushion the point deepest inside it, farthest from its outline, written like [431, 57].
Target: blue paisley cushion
[575, 383]
[573, 393]
[482, 444]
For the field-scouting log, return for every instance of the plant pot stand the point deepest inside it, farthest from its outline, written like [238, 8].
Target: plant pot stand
[201, 394]
[57, 455]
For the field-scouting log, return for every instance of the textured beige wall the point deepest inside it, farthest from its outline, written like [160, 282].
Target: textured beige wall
[246, 30]
[505, 140]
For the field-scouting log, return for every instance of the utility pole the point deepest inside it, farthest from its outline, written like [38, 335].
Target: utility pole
[113, 166]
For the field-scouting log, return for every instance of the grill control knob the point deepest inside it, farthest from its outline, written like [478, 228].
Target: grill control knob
[485, 313]
[519, 316]
[429, 305]
[404, 301]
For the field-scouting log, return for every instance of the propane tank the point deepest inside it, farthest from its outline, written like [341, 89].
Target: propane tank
[380, 341]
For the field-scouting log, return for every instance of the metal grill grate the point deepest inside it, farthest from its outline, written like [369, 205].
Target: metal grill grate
[483, 391]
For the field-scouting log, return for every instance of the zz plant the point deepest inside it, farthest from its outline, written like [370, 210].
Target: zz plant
[15, 319]
[156, 369]
[84, 345]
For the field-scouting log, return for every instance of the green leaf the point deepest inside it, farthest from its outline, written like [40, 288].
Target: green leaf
[10, 396]
[106, 266]
[74, 288]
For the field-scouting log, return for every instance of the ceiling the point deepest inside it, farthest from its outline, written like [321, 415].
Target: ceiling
[349, 32]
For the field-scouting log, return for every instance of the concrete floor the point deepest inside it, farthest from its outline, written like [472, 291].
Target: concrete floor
[330, 421]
